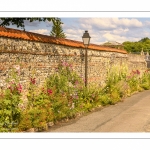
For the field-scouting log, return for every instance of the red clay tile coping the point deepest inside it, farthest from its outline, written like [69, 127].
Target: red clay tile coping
[18, 34]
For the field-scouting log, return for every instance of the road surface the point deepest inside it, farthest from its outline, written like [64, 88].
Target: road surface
[131, 115]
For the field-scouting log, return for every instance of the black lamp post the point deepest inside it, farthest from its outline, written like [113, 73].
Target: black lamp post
[86, 41]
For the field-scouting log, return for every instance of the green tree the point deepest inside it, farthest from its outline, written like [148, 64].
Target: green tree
[146, 39]
[57, 30]
[144, 44]
[19, 22]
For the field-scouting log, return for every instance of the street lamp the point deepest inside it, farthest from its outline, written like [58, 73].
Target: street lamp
[86, 41]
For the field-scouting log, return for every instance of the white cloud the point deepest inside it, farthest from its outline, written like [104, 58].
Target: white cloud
[41, 31]
[104, 29]
[120, 31]
[86, 26]
[146, 34]
[99, 23]
[112, 37]
[119, 38]
[109, 23]
[129, 22]
[147, 23]
[74, 32]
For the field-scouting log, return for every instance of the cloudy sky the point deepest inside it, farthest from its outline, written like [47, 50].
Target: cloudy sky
[101, 29]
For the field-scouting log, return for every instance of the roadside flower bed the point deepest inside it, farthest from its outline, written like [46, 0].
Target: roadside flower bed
[63, 96]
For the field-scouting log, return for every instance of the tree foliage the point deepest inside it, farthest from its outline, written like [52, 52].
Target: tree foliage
[144, 44]
[57, 30]
[19, 22]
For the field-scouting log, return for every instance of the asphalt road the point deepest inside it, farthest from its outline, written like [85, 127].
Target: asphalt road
[131, 115]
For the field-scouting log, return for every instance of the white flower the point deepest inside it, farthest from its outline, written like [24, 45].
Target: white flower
[72, 106]
[17, 67]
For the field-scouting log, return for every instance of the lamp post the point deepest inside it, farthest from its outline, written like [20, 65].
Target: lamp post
[86, 41]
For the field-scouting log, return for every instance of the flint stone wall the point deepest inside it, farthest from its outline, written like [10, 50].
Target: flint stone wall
[136, 61]
[41, 59]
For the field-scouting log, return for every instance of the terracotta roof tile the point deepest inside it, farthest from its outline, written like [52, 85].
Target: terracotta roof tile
[14, 33]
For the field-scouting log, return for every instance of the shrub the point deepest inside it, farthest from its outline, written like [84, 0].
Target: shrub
[145, 81]
[134, 80]
[9, 103]
[25, 121]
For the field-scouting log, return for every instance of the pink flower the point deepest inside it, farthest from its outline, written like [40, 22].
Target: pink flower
[137, 71]
[10, 88]
[133, 72]
[76, 82]
[32, 80]
[12, 81]
[19, 88]
[128, 77]
[65, 64]
[49, 91]
[71, 66]
[76, 97]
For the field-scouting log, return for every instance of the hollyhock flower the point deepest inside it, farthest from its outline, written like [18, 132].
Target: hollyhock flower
[17, 68]
[22, 106]
[134, 72]
[67, 64]
[32, 80]
[19, 88]
[10, 88]
[137, 71]
[63, 64]
[70, 65]
[56, 69]
[49, 91]
[18, 72]
[73, 106]
[129, 77]
[12, 81]
[76, 97]
[93, 95]
[76, 82]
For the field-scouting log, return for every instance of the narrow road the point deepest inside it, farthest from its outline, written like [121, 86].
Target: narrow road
[131, 115]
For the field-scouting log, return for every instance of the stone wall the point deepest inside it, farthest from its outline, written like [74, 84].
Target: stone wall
[40, 59]
[136, 61]
[148, 63]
